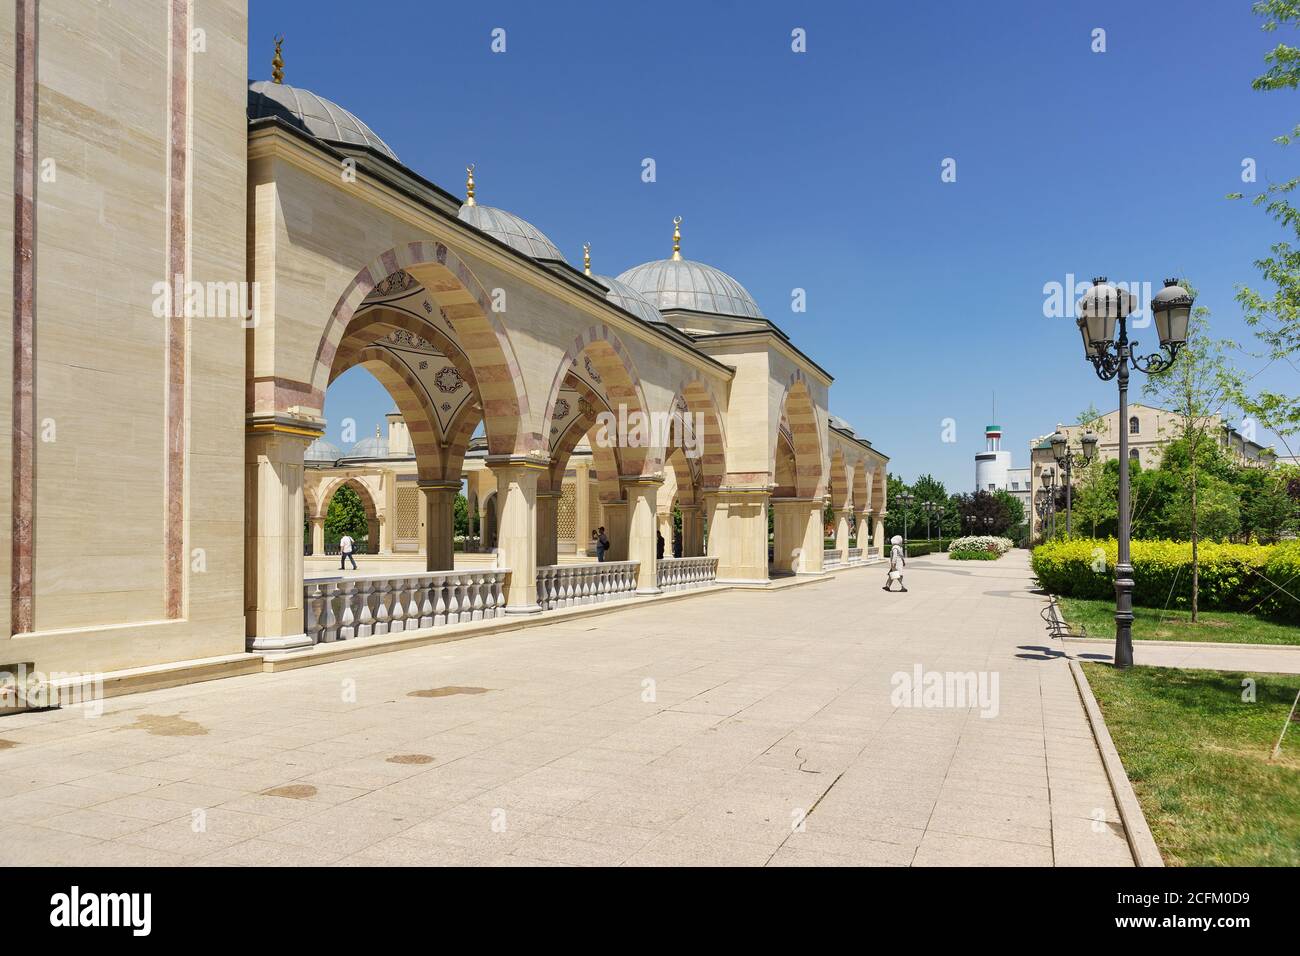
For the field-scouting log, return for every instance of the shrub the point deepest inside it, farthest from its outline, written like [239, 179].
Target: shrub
[918, 548]
[1233, 577]
[974, 554]
[982, 542]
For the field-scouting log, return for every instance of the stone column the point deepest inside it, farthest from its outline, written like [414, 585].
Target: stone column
[439, 524]
[273, 501]
[664, 526]
[582, 508]
[375, 529]
[797, 526]
[616, 529]
[864, 530]
[842, 518]
[738, 534]
[692, 531]
[642, 494]
[318, 537]
[517, 528]
[548, 512]
[879, 541]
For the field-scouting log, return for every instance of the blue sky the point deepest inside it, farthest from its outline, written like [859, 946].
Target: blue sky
[821, 171]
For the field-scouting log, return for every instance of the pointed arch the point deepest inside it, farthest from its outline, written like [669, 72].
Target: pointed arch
[462, 301]
[799, 413]
[617, 372]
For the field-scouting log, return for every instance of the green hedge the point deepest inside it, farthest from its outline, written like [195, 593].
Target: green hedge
[973, 554]
[917, 548]
[1233, 577]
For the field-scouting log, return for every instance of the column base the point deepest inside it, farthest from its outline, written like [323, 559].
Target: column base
[282, 644]
[648, 591]
[524, 609]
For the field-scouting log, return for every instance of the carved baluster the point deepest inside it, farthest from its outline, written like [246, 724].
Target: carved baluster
[348, 626]
[365, 617]
[426, 601]
[381, 590]
[439, 599]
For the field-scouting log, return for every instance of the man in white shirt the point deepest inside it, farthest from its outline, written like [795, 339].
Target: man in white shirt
[345, 552]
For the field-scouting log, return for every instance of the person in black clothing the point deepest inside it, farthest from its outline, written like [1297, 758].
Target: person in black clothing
[659, 545]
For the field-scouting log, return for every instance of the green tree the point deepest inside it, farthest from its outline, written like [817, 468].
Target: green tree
[1275, 316]
[1270, 514]
[460, 515]
[346, 515]
[1195, 389]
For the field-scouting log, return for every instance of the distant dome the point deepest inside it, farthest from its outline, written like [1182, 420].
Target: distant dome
[686, 284]
[322, 451]
[376, 447]
[313, 114]
[627, 298]
[516, 233]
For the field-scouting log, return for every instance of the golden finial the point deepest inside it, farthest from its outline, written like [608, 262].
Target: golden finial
[677, 238]
[277, 62]
[469, 184]
[586, 258]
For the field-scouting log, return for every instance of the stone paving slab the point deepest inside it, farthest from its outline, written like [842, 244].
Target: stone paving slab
[737, 728]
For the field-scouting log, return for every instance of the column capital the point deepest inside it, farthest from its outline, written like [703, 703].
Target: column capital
[640, 479]
[438, 485]
[538, 462]
[307, 427]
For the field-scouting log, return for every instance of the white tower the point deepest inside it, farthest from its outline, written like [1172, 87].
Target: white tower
[991, 465]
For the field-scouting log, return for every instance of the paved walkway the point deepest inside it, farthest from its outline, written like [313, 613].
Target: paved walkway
[1254, 658]
[737, 727]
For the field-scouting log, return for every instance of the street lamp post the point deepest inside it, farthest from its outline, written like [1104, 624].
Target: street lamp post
[1101, 308]
[929, 507]
[906, 498]
[1048, 478]
[1067, 461]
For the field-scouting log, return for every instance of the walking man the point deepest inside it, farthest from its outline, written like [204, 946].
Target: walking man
[345, 552]
[602, 543]
[896, 564]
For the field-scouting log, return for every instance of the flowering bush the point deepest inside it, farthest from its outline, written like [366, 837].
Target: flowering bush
[982, 542]
[1233, 577]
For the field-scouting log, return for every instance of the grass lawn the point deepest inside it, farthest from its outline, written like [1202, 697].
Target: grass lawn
[1153, 624]
[1198, 758]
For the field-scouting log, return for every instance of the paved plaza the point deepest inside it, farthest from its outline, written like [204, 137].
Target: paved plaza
[735, 728]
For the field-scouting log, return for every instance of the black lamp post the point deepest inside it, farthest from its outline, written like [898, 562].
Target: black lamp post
[1048, 514]
[1101, 308]
[906, 498]
[929, 507]
[1067, 461]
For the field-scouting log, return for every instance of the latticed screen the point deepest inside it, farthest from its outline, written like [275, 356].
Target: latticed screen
[408, 512]
[566, 518]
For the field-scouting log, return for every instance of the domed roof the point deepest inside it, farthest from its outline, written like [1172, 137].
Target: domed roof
[314, 114]
[627, 298]
[685, 284]
[515, 232]
[322, 451]
[376, 447]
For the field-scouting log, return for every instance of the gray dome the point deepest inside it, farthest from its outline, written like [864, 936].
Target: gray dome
[376, 447]
[686, 284]
[322, 451]
[627, 298]
[516, 233]
[313, 114]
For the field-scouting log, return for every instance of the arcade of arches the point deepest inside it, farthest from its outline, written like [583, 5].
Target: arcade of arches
[506, 365]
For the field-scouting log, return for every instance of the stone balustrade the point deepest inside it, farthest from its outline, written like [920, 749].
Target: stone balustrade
[831, 558]
[568, 585]
[681, 574]
[340, 609]
[855, 555]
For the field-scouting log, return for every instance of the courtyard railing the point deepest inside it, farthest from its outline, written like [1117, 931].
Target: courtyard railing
[855, 555]
[568, 585]
[340, 609]
[681, 574]
[831, 557]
